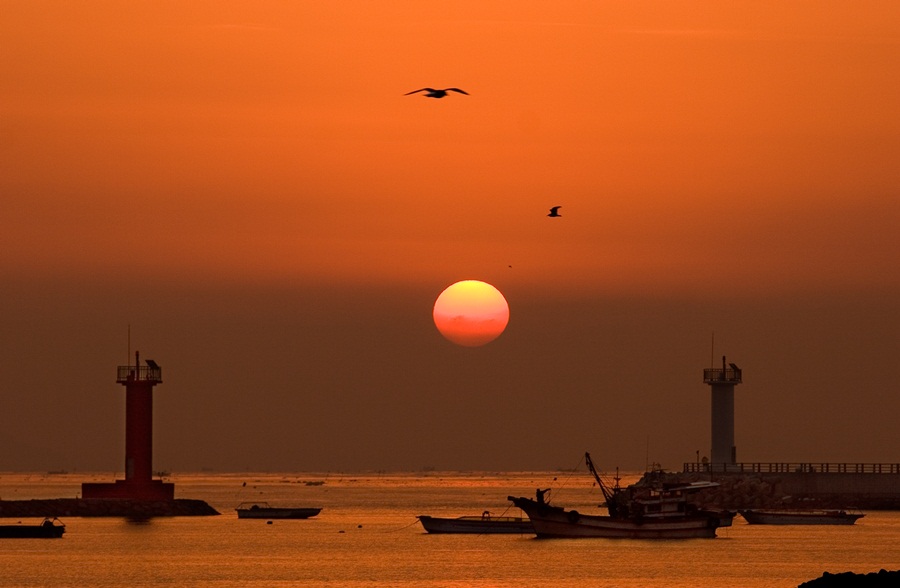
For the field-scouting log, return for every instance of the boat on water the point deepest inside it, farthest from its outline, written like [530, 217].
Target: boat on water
[47, 529]
[484, 524]
[634, 512]
[800, 517]
[262, 510]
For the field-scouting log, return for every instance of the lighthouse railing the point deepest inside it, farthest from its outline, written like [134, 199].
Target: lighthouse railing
[128, 373]
[728, 375]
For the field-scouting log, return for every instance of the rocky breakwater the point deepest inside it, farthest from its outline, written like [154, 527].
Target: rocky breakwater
[105, 507]
[747, 490]
[733, 492]
[741, 492]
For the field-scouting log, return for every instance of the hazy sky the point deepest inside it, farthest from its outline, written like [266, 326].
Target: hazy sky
[246, 185]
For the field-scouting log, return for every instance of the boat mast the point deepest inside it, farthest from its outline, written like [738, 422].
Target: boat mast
[608, 493]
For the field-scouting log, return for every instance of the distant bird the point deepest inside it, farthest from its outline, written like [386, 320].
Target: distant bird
[432, 93]
[555, 211]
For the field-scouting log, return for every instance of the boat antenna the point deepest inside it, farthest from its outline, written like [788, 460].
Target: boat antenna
[647, 456]
[712, 351]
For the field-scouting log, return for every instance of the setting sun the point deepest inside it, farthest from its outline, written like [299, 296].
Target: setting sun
[471, 313]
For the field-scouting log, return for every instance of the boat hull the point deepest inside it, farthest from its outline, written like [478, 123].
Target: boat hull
[277, 513]
[477, 525]
[42, 531]
[756, 517]
[555, 522]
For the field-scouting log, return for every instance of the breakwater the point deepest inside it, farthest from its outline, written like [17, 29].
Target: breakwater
[101, 507]
[769, 485]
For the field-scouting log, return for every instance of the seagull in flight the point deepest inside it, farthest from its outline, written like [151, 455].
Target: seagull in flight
[555, 211]
[432, 93]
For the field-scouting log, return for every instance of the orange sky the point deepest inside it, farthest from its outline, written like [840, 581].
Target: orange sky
[727, 151]
[274, 141]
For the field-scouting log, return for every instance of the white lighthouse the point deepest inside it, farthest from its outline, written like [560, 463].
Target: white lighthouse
[722, 382]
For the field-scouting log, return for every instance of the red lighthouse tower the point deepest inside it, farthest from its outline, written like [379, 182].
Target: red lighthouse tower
[138, 483]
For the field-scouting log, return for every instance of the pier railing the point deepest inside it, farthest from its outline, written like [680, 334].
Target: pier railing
[128, 373]
[791, 468]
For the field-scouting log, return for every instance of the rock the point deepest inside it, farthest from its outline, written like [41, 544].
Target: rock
[105, 507]
[882, 578]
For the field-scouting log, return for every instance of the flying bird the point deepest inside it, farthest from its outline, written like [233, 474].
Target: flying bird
[432, 93]
[555, 211]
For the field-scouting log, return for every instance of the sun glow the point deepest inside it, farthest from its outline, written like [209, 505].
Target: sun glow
[471, 313]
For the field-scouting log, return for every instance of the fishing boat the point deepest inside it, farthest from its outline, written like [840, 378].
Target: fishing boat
[634, 513]
[484, 524]
[800, 517]
[262, 510]
[47, 529]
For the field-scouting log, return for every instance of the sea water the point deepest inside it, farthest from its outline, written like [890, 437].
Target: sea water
[367, 535]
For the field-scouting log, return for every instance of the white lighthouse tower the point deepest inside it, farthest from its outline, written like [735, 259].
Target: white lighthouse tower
[722, 382]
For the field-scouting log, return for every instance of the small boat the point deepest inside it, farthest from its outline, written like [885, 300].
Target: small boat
[484, 524]
[634, 513]
[47, 529]
[800, 517]
[262, 510]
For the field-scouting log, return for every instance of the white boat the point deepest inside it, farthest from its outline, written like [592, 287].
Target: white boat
[800, 517]
[262, 510]
[484, 524]
[634, 513]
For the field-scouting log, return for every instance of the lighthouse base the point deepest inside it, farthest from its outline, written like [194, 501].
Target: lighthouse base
[129, 489]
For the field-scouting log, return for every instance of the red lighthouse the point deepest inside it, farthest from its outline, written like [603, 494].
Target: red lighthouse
[138, 483]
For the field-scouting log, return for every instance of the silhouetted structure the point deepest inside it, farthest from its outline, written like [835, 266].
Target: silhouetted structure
[722, 383]
[138, 483]
[774, 485]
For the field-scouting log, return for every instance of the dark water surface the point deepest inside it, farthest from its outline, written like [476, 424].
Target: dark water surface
[367, 535]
